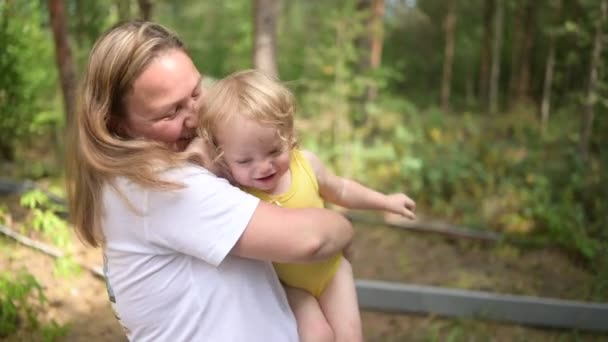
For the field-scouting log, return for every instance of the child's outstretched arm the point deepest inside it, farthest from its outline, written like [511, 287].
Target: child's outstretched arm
[350, 194]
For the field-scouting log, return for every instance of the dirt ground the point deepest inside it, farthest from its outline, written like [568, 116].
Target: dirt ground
[379, 253]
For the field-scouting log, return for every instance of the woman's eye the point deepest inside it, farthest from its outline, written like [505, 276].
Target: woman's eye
[196, 93]
[171, 115]
[243, 162]
[275, 152]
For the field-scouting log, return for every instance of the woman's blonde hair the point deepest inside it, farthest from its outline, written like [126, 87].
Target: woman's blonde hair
[99, 150]
[249, 95]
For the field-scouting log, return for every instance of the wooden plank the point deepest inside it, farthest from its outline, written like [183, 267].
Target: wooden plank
[427, 227]
[96, 270]
[544, 312]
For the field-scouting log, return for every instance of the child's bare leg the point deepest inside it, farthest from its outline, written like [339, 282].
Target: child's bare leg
[339, 304]
[312, 324]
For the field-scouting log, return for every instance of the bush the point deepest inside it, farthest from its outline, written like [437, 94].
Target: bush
[493, 173]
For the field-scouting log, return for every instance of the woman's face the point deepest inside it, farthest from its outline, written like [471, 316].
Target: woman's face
[165, 101]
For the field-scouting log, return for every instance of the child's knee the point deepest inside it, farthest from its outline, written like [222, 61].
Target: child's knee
[317, 330]
[349, 330]
[350, 336]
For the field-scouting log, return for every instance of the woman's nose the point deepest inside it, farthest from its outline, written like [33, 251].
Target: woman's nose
[191, 120]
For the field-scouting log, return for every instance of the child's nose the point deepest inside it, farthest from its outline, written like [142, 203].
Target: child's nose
[266, 166]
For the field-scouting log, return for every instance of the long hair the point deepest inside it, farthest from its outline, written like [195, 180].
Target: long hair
[250, 95]
[99, 150]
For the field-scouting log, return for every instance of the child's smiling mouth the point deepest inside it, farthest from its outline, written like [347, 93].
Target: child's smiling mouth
[265, 178]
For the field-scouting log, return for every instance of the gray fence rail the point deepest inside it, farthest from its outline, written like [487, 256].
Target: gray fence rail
[543, 312]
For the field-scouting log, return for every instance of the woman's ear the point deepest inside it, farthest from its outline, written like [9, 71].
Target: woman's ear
[118, 126]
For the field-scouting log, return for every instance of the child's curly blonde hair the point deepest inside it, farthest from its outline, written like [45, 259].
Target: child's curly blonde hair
[246, 95]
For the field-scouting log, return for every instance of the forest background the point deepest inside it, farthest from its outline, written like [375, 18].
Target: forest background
[490, 114]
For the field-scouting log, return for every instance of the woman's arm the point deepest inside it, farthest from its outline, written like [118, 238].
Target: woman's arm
[293, 235]
[281, 234]
[350, 194]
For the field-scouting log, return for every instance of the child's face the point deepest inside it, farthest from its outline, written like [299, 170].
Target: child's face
[255, 154]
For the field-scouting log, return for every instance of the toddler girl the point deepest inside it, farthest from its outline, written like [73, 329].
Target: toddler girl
[247, 124]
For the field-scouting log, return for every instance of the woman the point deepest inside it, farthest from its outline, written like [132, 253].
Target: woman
[187, 256]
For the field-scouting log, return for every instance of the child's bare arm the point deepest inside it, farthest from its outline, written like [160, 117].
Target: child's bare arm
[351, 194]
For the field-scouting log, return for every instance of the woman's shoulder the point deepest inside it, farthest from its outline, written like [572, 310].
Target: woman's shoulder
[183, 176]
[185, 171]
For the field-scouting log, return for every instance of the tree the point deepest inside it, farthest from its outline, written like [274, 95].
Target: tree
[63, 55]
[549, 69]
[486, 47]
[521, 58]
[265, 36]
[27, 84]
[517, 35]
[496, 53]
[591, 96]
[523, 86]
[145, 9]
[374, 41]
[448, 57]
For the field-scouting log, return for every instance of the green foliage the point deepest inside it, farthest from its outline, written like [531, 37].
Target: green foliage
[20, 296]
[54, 331]
[45, 218]
[496, 174]
[599, 287]
[27, 75]
[218, 34]
[66, 267]
[456, 330]
[3, 213]
[21, 300]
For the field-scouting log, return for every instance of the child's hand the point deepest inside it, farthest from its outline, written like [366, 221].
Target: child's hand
[402, 205]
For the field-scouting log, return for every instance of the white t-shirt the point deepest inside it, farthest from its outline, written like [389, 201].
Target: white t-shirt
[168, 270]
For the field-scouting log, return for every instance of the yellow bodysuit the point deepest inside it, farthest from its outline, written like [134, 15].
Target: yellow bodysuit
[302, 193]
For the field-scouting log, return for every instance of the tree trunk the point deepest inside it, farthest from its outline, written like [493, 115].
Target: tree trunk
[265, 36]
[548, 83]
[496, 53]
[63, 55]
[486, 40]
[448, 59]
[516, 38]
[376, 36]
[145, 9]
[549, 68]
[591, 96]
[523, 86]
